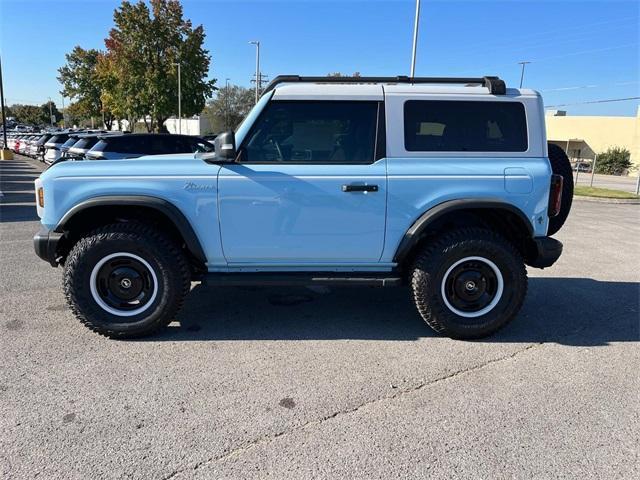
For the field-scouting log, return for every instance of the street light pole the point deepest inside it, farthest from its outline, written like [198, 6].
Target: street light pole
[64, 123]
[415, 39]
[522, 73]
[257, 44]
[50, 113]
[179, 99]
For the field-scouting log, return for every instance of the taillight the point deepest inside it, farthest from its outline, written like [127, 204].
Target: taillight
[555, 195]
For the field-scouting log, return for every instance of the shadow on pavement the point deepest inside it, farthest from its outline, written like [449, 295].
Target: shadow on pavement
[18, 213]
[569, 311]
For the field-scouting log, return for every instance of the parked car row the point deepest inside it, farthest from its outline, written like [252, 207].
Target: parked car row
[52, 147]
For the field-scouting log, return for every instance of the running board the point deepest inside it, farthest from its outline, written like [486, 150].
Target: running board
[297, 278]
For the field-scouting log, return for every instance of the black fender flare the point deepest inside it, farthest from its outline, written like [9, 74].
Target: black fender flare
[413, 234]
[165, 207]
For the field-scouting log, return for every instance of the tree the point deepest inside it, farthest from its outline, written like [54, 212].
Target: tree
[34, 115]
[140, 69]
[48, 109]
[81, 82]
[28, 114]
[229, 108]
[615, 161]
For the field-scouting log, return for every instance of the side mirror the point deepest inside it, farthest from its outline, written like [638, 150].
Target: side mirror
[224, 149]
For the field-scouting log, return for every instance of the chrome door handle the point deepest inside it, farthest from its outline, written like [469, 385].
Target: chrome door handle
[359, 188]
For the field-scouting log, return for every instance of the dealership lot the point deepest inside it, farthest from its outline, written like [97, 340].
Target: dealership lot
[325, 383]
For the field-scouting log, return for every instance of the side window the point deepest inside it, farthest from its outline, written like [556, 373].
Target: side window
[313, 132]
[464, 126]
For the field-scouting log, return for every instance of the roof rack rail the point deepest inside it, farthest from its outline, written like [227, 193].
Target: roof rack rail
[495, 85]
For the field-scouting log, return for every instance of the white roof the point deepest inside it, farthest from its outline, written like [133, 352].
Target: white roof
[328, 91]
[376, 91]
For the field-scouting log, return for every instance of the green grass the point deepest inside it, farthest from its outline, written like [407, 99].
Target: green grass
[602, 192]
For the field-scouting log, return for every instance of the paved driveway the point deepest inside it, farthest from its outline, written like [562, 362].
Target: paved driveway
[341, 383]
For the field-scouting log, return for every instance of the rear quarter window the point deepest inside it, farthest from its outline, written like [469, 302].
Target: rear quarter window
[464, 126]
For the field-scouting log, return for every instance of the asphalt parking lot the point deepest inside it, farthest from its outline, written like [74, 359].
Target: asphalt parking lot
[325, 383]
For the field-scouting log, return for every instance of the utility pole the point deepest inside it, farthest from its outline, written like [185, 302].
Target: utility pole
[226, 109]
[5, 153]
[522, 73]
[257, 44]
[50, 112]
[64, 123]
[179, 99]
[415, 39]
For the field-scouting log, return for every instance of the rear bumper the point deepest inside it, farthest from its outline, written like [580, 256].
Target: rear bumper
[45, 243]
[545, 252]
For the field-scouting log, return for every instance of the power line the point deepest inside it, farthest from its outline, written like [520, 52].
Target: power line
[563, 36]
[544, 59]
[580, 87]
[593, 101]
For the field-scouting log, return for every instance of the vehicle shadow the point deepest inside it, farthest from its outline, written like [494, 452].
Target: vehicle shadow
[569, 311]
[18, 213]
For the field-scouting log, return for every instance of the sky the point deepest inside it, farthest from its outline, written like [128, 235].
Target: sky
[580, 51]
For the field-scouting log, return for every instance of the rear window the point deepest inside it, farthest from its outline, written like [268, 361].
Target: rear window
[464, 126]
[70, 142]
[58, 139]
[86, 143]
[134, 144]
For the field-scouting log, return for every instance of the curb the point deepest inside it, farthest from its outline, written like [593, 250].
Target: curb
[626, 201]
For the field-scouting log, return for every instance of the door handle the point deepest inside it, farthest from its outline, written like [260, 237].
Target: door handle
[359, 188]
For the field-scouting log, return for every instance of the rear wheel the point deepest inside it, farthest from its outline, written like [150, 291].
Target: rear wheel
[126, 280]
[561, 165]
[468, 283]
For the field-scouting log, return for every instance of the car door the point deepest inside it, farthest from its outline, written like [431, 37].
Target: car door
[309, 186]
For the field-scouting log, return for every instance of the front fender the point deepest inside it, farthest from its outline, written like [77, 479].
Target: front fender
[167, 208]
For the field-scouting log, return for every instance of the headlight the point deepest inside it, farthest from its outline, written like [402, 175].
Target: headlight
[41, 197]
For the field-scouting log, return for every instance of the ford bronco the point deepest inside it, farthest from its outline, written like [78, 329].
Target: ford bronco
[443, 184]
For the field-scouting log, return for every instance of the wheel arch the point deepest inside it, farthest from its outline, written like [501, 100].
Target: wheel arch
[499, 215]
[96, 211]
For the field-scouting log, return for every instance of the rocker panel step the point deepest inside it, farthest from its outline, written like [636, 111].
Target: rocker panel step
[302, 278]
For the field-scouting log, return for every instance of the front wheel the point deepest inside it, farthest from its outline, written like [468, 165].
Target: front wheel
[468, 283]
[126, 280]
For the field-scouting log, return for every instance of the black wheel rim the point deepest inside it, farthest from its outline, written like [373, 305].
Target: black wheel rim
[125, 284]
[471, 286]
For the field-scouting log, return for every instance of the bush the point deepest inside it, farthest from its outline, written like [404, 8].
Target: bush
[615, 161]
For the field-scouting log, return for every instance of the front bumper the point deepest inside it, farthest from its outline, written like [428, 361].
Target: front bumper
[545, 252]
[45, 243]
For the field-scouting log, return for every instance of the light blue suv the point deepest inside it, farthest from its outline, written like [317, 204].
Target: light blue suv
[443, 184]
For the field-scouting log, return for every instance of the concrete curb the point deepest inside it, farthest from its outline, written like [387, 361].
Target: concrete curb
[627, 201]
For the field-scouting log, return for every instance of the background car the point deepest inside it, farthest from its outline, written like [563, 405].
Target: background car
[86, 141]
[39, 146]
[113, 147]
[53, 145]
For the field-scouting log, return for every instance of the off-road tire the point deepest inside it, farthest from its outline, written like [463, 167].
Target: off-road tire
[164, 257]
[561, 165]
[438, 256]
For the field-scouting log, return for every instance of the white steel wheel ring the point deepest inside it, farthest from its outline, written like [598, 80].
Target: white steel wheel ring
[472, 287]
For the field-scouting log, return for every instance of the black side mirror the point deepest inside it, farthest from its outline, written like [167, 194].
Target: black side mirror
[224, 149]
